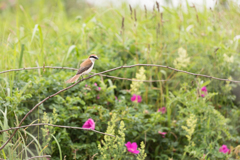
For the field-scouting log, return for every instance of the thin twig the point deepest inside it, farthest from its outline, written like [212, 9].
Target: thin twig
[43, 124]
[68, 68]
[128, 79]
[26, 146]
[110, 70]
[30, 68]
[152, 65]
[45, 156]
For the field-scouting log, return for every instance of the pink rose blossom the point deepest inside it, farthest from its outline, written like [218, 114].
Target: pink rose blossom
[162, 133]
[133, 98]
[163, 110]
[95, 84]
[137, 98]
[132, 147]
[99, 88]
[89, 124]
[224, 149]
[204, 89]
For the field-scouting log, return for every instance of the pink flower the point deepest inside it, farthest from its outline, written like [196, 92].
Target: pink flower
[85, 85]
[89, 124]
[224, 149]
[133, 98]
[98, 97]
[162, 133]
[163, 110]
[116, 98]
[204, 89]
[99, 88]
[132, 147]
[137, 98]
[95, 84]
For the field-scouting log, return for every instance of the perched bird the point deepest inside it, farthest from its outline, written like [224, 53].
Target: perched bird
[85, 68]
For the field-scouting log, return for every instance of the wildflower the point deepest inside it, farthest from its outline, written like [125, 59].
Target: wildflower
[95, 84]
[132, 147]
[116, 98]
[98, 97]
[133, 98]
[137, 98]
[224, 149]
[204, 90]
[89, 124]
[163, 110]
[85, 85]
[228, 59]
[183, 60]
[135, 86]
[99, 88]
[162, 133]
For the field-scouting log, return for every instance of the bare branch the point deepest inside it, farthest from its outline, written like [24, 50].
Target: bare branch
[41, 124]
[68, 68]
[152, 65]
[45, 156]
[30, 68]
[26, 146]
[128, 79]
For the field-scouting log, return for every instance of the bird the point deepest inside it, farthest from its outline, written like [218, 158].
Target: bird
[85, 68]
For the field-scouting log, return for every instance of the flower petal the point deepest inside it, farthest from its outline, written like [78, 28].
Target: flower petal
[139, 99]
[134, 145]
[89, 124]
[133, 98]
[128, 144]
[135, 151]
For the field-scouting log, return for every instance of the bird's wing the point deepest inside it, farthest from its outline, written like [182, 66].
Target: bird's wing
[85, 66]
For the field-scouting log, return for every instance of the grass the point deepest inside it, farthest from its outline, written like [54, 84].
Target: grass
[63, 33]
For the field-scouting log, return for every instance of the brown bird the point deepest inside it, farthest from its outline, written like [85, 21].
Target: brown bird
[85, 68]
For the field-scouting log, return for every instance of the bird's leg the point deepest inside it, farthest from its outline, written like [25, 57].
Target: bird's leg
[82, 77]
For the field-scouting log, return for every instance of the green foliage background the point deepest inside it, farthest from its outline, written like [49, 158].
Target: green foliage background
[63, 33]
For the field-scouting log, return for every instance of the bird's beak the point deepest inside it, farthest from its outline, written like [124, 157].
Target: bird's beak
[97, 58]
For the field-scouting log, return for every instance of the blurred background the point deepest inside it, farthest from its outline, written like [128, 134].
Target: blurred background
[196, 36]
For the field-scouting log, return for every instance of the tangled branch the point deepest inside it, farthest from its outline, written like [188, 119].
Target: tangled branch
[68, 68]
[152, 65]
[46, 124]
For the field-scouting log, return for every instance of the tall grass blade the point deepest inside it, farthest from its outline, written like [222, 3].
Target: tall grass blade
[59, 148]
[34, 32]
[71, 48]
[21, 56]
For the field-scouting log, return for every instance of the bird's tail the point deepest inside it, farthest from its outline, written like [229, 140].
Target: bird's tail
[73, 79]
